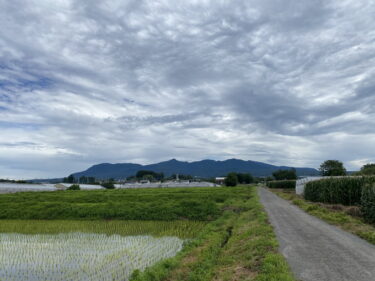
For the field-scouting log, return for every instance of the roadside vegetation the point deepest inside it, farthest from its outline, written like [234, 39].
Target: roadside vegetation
[285, 184]
[348, 218]
[239, 245]
[282, 179]
[351, 191]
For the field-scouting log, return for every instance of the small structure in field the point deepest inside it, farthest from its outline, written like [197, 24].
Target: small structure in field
[220, 180]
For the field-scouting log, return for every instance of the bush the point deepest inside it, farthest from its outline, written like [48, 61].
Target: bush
[108, 185]
[287, 184]
[74, 187]
[368, 202]
[344, 190]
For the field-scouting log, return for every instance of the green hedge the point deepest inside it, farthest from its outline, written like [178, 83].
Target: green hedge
[368, 202]
[287, 184]
[345, 190]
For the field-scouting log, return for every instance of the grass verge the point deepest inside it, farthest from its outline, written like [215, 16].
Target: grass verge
[240, 245]
[333, 214]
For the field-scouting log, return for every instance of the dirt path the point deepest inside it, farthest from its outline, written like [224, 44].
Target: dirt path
[315, 250]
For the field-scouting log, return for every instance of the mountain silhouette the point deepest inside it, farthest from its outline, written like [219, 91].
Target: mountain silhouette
[203, 169]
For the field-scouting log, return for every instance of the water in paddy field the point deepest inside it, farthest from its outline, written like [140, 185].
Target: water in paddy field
[80, 256]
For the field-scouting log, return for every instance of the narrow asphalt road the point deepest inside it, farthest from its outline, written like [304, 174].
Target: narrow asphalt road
[315, 250]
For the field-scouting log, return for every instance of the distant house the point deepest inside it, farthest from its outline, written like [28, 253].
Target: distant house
[220, 180]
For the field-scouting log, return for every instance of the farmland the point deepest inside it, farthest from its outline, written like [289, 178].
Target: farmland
[78, 256]
[165, 204]
[199, 234]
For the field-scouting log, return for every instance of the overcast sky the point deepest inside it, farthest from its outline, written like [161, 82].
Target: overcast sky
[279, 81]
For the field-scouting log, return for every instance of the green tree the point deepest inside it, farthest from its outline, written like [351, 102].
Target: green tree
[245, 178]
[285, 174]
[368, 169]
[90, 180]
[231, 179]
[70, 179]
[148, 177]
[83, 179]
[142, 173]
[332, 168]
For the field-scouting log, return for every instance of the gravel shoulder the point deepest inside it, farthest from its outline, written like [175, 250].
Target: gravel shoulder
[315, 250]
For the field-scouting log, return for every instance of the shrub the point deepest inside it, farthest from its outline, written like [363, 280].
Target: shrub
[287, 184]
[368, 202]
[74, 187]
[344, 190]
[108, 185]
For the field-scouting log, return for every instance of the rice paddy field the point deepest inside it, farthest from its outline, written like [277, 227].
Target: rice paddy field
[80, 256]
[191, 234]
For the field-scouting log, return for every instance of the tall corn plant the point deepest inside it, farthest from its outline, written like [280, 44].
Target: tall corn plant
[344, 190]
[368, 202]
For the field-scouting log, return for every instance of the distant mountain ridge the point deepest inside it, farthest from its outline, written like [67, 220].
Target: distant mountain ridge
[204, 169]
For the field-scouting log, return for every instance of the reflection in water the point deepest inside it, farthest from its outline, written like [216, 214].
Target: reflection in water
[80, 256]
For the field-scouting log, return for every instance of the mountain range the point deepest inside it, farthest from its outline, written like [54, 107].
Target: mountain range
[203, 169]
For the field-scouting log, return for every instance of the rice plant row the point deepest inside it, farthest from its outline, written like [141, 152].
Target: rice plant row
[80, 256]
[182, 229]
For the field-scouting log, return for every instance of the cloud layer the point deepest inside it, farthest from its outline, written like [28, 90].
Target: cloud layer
[84, 82]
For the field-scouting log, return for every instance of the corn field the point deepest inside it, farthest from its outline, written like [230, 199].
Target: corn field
[285, 184]
[344, 190]
[368, 202]
[80, 256]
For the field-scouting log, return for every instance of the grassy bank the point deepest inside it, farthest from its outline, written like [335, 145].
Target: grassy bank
[239, 245]
[202, 204]
[334, 214]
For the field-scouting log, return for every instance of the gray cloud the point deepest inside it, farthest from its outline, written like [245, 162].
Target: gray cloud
[143, 81]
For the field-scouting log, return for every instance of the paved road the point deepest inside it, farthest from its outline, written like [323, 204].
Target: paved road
[315, 250]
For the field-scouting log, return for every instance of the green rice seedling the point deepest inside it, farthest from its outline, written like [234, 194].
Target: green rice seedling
[80, 256]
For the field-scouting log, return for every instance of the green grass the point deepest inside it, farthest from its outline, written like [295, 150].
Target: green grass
[182, 229]
[240, 245]
[203, 204]
[233, 240]
[338, 217]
